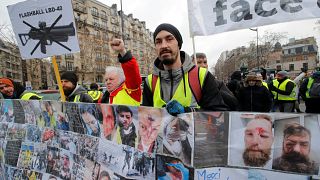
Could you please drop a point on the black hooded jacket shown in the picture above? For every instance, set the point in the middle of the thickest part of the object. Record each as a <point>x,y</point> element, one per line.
<point>211,98</point>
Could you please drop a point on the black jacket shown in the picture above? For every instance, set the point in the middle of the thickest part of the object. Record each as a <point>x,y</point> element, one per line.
<point>211,98</point>
<point>255,98</point>
<point>84,96</point>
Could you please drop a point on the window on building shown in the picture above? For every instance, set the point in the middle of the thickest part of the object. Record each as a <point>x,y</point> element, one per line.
<point>293,51</point>
<point>305,57</point>
<point>104,24</point>
<point>279,68</point>
<point>305,65</point>
<point>291,67</point>
<point>94,11</point>
<point>69,66</point>
<point>305,48</point>
<point>285,52</point>
<point>103,14</point>
<point>95,21</point>
<point>277,61</point>
<point>98,56</point>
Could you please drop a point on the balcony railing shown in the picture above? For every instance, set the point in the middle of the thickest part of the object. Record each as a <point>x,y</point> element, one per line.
<point>80,9</point>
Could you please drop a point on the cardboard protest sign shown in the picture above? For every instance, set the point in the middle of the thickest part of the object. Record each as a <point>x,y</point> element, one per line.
<point>208,17</point>
<point>44,28</point>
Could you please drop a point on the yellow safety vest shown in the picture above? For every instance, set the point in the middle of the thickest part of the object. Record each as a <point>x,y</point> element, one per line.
<point>310,82</point>
<point>265,84</point>
<point>28,95</point>
<point>124,98</point>
<point>282,87</point>
<point>95,94</point>
<point>179,95</point>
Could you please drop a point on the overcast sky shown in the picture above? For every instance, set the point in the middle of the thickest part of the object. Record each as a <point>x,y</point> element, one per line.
<point>155,12</point>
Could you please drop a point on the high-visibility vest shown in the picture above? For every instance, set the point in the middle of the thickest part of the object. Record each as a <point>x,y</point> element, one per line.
<point>282,87</point>
<point>187,101</point>
<point>265,84</point>
<point>95,94</point>
<point>28,95</point>
<point>310,82</point>
<point>124,98</point>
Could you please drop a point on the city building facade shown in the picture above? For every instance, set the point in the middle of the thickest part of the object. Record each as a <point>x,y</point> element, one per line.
<point>297,54</point>
<point>96,25</point>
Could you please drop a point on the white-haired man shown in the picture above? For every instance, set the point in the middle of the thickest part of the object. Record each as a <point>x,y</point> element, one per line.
<point>123,84</point>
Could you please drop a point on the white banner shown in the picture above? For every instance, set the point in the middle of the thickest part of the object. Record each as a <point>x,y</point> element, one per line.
<point>44,28</point>
<point>215,16</point>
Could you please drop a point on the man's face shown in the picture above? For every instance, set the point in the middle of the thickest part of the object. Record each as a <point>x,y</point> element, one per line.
<point>67,86</point>
<point>258,141</point>
<point>202,62</point>
<point>112,81</point>
<point>279,77</point>
<point>90,120</point>
<point>148,129</point>
<point>6,89</point>
<point>297,146</point>
<point>125,119</point>
<point>167,47</point>
<point>252,83</point>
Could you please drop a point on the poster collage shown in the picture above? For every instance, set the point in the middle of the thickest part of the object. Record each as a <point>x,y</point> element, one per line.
<point>55,140</point>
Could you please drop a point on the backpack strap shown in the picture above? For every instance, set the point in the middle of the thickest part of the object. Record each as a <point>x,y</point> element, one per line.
<point>194,82</point>
<point>153,83</point>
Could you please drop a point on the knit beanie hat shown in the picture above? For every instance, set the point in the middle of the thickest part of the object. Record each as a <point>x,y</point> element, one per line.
<point>6,81</point>
<point>70,76</point>
<point>171,29</point>
<point>283,73</point>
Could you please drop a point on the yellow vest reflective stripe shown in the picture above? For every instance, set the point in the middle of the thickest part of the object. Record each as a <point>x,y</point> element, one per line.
<point>179,95</point>
<point>95,94</point>
<point>28,95</point>
<point>265,84</point>
<point>125,99</point>
<point>282,87</point>
<point>77,98</point>
<point>310,82</point>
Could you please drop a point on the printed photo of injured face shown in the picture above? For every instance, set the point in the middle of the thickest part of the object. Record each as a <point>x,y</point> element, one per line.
<point>251,140</point>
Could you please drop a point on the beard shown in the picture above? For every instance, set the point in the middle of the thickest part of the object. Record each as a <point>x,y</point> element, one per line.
<point>167,60</point>
<point>256,158</point>
<point>296,162</point>
<point>67,91</point>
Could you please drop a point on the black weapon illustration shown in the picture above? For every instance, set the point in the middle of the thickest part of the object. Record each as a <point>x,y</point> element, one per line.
<point>47,35</point>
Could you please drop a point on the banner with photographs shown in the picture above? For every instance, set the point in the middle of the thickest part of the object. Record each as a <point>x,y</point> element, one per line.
<point>55,140</point>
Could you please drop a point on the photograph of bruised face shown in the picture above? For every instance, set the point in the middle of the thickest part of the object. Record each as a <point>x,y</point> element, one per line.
<point>258,140</point>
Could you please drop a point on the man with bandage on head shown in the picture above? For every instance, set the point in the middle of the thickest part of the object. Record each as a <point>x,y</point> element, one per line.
<point>169,84</point>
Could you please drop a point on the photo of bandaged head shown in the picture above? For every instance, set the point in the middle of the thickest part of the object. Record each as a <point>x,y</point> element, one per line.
<point>150,120</point>
<point>177,138</point>
<point>90,117</point>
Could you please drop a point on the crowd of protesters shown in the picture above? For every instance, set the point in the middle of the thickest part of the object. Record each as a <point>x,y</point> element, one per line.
<point>181,83</point>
